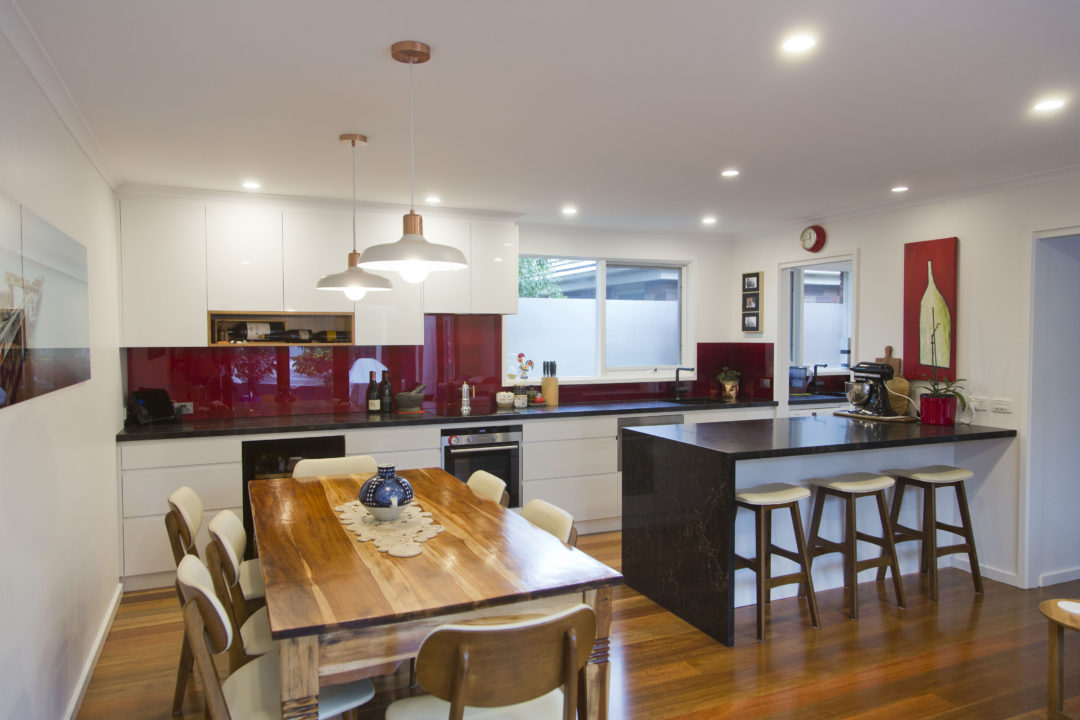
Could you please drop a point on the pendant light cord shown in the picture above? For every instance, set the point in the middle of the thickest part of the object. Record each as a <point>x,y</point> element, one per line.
<point>412,143</point>
<point>354,196</point>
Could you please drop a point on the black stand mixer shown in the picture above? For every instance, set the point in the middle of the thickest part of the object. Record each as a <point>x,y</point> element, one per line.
<point>867,391</point>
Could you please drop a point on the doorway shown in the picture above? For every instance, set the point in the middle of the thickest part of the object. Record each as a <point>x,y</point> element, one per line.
<point>1054,454</point>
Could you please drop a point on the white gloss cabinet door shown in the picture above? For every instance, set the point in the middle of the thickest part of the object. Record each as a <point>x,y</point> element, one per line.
<point>493,266</point>
<point>316,242</point>
<point>163,272</point>
<point>387,318</point>
<point>448,292</point>
<point>243,258</point>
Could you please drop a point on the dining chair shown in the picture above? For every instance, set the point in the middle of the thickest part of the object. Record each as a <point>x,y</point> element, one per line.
<point>532,669</point>
<point>182,524</point>
<point>253,690</point>
<point>489,486</point>
<point>552,518</point>
<point>347,465</point>
<point>243,575</point>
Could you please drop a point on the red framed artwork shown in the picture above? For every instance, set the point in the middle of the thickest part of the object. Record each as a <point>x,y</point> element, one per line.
<point>930,308</point>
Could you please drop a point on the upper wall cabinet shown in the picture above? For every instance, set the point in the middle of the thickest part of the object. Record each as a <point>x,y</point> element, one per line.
<point>316,243</point>
<point>243,258</point>
<point>163,272</point>
<point>489,284</point>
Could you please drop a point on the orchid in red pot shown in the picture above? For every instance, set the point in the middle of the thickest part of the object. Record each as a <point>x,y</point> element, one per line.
<point>937,406</point>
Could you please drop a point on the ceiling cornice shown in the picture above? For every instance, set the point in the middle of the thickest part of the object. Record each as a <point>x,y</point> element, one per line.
<point>25,43</point>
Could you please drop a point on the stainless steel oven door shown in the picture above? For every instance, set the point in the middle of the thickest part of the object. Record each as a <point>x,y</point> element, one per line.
<point>496,450</point>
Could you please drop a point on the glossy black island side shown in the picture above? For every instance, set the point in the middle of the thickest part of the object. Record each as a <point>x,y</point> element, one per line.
<point>678,493</point>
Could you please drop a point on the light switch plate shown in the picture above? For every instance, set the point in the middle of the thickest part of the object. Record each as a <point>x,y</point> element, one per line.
<point>1002,405</point>
<point>186,408</point>
<point>980,403</point>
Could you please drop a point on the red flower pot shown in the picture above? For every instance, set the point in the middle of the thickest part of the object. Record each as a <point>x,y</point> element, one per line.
<point>937,410</point>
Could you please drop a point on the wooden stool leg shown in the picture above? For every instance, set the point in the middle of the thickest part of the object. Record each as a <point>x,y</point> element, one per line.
<point>765,553</point>
<point>930,540</point>
<point>969,536</point>
<point>851,555</point>
<point>187,661</point>
<point>890,547</point>
<point>800,545</point>
<point>894,516</point>
<point>1055,671</point>
<point>815,523</point>
<point>760,514</point>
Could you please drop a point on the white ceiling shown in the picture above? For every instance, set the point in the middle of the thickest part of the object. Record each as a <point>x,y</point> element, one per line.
<point>628,109</point>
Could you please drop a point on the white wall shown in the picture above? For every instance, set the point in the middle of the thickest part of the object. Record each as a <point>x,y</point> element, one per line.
<point>1055,455</point>
<point>993,316</point>
<point>58,497</point>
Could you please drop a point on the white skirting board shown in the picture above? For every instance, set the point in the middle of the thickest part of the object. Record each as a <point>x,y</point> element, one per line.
<point>1059,576</point>
<point>91,662</point>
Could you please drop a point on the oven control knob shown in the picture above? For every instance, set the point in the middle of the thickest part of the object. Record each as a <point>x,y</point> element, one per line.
<point>454,440</point>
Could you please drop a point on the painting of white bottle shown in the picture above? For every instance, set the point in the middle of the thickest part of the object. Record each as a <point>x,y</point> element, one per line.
<point>934,317</point>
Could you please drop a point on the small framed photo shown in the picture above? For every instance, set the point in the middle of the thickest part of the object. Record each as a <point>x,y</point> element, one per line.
<point>750,322</point>
<point>751,282</point>
<point>750,302</point>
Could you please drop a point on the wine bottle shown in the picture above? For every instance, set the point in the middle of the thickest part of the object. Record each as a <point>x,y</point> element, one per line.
<point>374,403</point>
<point>934,311</point>
<point>384,391</point>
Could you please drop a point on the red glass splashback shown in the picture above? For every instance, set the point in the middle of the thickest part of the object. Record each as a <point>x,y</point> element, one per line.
<point>247,381</point>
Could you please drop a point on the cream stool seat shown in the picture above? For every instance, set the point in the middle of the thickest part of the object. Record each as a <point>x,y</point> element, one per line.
<point>929,479</point>
<point>857,482</point>
<point>762,500</point>
<point>772,494</point>
<point>848,488</point>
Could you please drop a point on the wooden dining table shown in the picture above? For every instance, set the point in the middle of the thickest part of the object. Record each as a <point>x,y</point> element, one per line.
<point>341,610</point>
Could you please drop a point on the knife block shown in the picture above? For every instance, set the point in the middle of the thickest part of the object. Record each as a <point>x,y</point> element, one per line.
<point>549,388</point>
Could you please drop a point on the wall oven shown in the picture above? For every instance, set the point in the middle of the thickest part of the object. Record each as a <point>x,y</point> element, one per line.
<point>496,449</point>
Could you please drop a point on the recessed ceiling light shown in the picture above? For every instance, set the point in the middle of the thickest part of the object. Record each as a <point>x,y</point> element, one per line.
<point>1049,104</point>
<point>708,220</point>
<point>433,199</point>
<point>569,210</point>
<point>799,42</point>
<point>900,188</point>
<point>252,184</point>
<point>730,172</point>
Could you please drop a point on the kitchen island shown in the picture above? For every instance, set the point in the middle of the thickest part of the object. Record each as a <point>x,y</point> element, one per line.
<point>679,527</point>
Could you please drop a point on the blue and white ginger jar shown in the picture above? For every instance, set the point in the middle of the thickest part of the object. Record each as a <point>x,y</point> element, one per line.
<point>386,494</point>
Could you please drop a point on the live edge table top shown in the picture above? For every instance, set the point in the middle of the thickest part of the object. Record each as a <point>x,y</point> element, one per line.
<point>319,577</point>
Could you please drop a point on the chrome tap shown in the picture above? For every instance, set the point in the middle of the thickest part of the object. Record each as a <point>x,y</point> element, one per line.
<point>813,380</point>
<point>678,387</point>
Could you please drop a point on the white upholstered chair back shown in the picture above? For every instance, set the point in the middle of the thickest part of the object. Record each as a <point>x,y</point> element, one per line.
<point>487,485</point>
<point>190,510</point>
<point>549,517</point>
<point>348,465</point>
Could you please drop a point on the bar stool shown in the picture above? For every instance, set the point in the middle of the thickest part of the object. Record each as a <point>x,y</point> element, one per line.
<point>849,488</point>
<point>929,479</point>
<point>762,500</point>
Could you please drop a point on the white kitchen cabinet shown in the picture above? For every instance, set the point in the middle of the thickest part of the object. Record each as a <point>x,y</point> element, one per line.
<point>489,284</point>
<point>315,242</point>
<point>387,318</point>
<point>493,264</point>
<point>448,292</point>
<point>243,258</point>
<point>163,272</point>
<point>814,410</point>
<point>588,498</point>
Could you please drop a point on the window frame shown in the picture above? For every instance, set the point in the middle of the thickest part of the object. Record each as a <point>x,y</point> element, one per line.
<point>642,373</point>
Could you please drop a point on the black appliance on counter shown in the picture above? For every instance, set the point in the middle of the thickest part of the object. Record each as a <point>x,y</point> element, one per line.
<point>496,449</point>
<point>265,459</point>
<point>150,405</point>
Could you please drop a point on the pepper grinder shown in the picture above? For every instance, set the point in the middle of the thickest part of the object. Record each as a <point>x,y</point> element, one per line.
<point>466,391</point>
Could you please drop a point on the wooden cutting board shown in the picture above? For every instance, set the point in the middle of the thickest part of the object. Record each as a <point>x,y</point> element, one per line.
<point>896,363</point>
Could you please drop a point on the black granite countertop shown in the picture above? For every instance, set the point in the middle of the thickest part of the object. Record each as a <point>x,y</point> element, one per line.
<point>430,415</point>
<point>755,439</point>
<point>816,399</point>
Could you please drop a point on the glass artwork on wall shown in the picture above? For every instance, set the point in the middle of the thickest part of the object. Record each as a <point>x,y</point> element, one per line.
<point>44,318</point>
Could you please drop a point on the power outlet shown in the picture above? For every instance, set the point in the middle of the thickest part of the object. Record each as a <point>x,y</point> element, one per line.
<point>186,408</point>
<point>1002,405</point>
<point>766,383</point>
<point>980,403</point>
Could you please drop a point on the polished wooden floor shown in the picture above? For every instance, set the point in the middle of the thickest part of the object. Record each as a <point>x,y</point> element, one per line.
<point>965,657</point>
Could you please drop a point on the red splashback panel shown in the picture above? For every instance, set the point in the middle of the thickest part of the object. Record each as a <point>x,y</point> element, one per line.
<point>247,381</point>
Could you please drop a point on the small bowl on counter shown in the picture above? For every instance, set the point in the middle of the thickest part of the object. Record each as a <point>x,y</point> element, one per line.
<point>504,399</point>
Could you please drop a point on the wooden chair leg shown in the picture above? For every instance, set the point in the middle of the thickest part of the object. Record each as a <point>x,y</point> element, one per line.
<point>187,662</point>
<point>1055,672</point>
<point>851,555</point>
<point>888,535</point>
<point>969,536</point>
<point>760,514</point>
<point>930,541</point>
<point>800,545</point>
<point>894,516</point>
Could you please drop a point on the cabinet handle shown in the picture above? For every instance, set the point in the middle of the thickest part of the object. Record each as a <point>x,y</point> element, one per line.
<point>489,448</point>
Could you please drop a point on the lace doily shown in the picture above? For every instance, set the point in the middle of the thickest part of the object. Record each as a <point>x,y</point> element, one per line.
<point>400,538</point>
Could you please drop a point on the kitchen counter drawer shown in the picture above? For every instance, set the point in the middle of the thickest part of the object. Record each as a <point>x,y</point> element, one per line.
<point>569,429</point>
<point>569,458</point>
<point>587,497</point>
<point>376,441</point>
<point>170,453</point>
<point>146,492</point>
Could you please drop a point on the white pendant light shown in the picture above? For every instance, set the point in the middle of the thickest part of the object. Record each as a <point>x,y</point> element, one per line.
<point>354,281</point>
<point>412,256</point>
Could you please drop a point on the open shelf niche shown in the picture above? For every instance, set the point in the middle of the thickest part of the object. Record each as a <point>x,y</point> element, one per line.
<point>234,328</point>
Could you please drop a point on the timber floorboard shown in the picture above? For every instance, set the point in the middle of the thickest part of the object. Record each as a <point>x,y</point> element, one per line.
<point>965,657</point>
